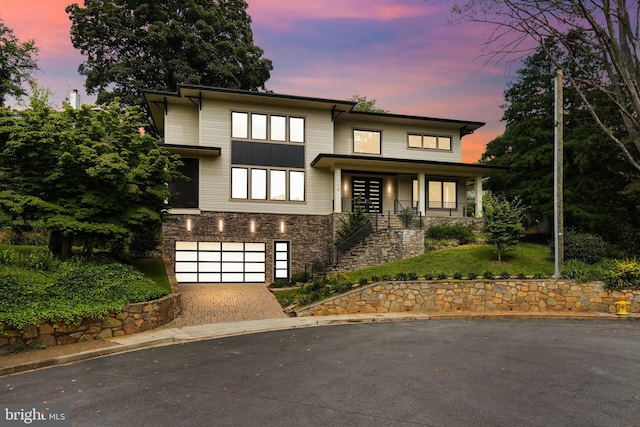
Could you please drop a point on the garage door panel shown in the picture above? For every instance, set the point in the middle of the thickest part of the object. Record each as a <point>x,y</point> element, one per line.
<point>209,246</point>
<point>209,256</point>
<point>209,277</point>
<point>255,277</point>
<point>229,267</point>
<point>232,256</point>
<point>254,247</point>
<point>186,267</point>
<point>232,246</point>
<point>187,277</point>
<point>209,267</point>
<point>186,256</point>
<point>233,277</point>
<point>254,257</point>
<point>186,246</point>
<point>254,268</point>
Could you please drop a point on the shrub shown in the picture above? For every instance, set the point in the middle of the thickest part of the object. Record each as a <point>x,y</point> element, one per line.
<point>583,272</point>
<point>588,248</point>
<point>442,276</point>
<point>624,275</point>
<point>401,276</point>
<point>457,275</point>
<point>459,233</point>
<point>504,275</point>
<point>386,276</point>
<point>521,276</point>
<point>412,276</point>
<point>375,278</point>
<point>538,276</point>
<point>279,284</point>
<point>488,275</point>
<point>428,276</point>
<point>300,277</point>
<point>472,276</point>
<point>363,281</point>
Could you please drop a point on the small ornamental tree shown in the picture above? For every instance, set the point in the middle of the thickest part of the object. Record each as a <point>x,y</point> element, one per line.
<point>85,176</point>
<point>502,222</point>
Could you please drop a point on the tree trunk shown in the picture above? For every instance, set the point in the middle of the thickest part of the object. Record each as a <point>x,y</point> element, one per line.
<point>59,244</point>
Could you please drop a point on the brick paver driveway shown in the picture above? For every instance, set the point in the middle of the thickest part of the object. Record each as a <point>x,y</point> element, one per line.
<point>217,303</point>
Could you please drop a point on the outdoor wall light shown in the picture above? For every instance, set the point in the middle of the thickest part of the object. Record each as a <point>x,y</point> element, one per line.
<point>220,225</point>
<point>253,226</point>
<point>189,225</point>
<point>281,226</point>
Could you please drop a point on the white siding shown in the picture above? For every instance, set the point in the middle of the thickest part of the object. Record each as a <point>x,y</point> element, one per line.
<point>181,125</point>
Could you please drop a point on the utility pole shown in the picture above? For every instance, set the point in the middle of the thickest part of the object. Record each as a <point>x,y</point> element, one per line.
<point>558,209</point>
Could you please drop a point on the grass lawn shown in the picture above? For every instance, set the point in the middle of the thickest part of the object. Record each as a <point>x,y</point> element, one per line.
<point>153,268</point>
<point>527,258</point>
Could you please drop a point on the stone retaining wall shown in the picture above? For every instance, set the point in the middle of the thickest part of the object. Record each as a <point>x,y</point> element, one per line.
<point>474,295</point>
<point>134,318</point>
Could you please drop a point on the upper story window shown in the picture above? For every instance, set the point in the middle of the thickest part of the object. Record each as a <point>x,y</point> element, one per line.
<point>267,127</point>
<point>367,141</point>
<point>429,142</point>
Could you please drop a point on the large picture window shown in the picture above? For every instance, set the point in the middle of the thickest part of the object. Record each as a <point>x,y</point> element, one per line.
<point>267,127</point>
<point>267,184</point>
<point>429,142</point>
<point>367,142</point>
<point>442,195</point>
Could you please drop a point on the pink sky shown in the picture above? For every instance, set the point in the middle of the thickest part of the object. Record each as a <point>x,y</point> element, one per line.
<point>400,52</point>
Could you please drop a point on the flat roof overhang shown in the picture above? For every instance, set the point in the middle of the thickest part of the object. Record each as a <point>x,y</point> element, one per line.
<point>403,166</point>
<point>192,150</point>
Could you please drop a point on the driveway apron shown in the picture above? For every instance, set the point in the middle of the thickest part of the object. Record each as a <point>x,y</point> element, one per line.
<point>218,303</point>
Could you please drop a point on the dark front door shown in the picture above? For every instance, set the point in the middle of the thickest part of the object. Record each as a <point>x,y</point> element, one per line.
<point>367,192</point>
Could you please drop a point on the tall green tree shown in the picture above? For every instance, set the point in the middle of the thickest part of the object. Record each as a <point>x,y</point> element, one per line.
<point>85,176</point>
<point>133,45</point>
<point>605,30</point>
<point>17,63</point>
<point>596,173</point>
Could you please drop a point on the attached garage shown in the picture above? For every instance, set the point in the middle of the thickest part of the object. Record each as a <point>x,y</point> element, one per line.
<point>220,262</point>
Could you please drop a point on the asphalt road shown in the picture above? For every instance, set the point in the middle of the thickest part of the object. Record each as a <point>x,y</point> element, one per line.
<point>422,373</point>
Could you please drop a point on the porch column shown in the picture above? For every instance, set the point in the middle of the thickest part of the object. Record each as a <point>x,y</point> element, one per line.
<point>478,197</point>
<point>337,190</point>
<point>422,194</point>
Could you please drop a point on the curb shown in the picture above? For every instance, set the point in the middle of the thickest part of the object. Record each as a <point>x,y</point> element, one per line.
<point>168,336</point>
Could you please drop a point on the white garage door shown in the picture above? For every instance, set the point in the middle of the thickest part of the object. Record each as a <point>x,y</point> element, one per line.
<point>220,262</point>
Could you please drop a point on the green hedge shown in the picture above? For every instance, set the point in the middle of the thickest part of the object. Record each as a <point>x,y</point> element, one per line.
<point>70,292</point>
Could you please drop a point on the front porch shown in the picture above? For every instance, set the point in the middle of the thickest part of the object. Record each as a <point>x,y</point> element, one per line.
<point>393,185</point>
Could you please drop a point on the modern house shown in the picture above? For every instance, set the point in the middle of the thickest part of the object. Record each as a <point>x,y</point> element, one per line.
<point>270,174</point>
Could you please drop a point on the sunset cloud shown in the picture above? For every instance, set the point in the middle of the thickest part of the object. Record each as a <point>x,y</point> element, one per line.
<point>401,52</point>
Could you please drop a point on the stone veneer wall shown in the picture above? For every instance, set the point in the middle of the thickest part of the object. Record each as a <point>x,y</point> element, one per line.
<point>383,246</point>
<point>310,235</point>
<point>474,295</point>
<point>134,318</point>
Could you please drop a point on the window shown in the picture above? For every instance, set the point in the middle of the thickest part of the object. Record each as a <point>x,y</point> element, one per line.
<point>239,125</point>
<point>259,126</point>
<point>259,184</point>
<point>296,129</point>
<point>278,128</point>
<point>239,183</point>
<point>367,142</point>
<point>278,185</point>
<point>429,142</point>
<point>185,192</point>
<point>267,184</point>
<point>296,186</point>
<point>266,127</point>
<point>442,195</point>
